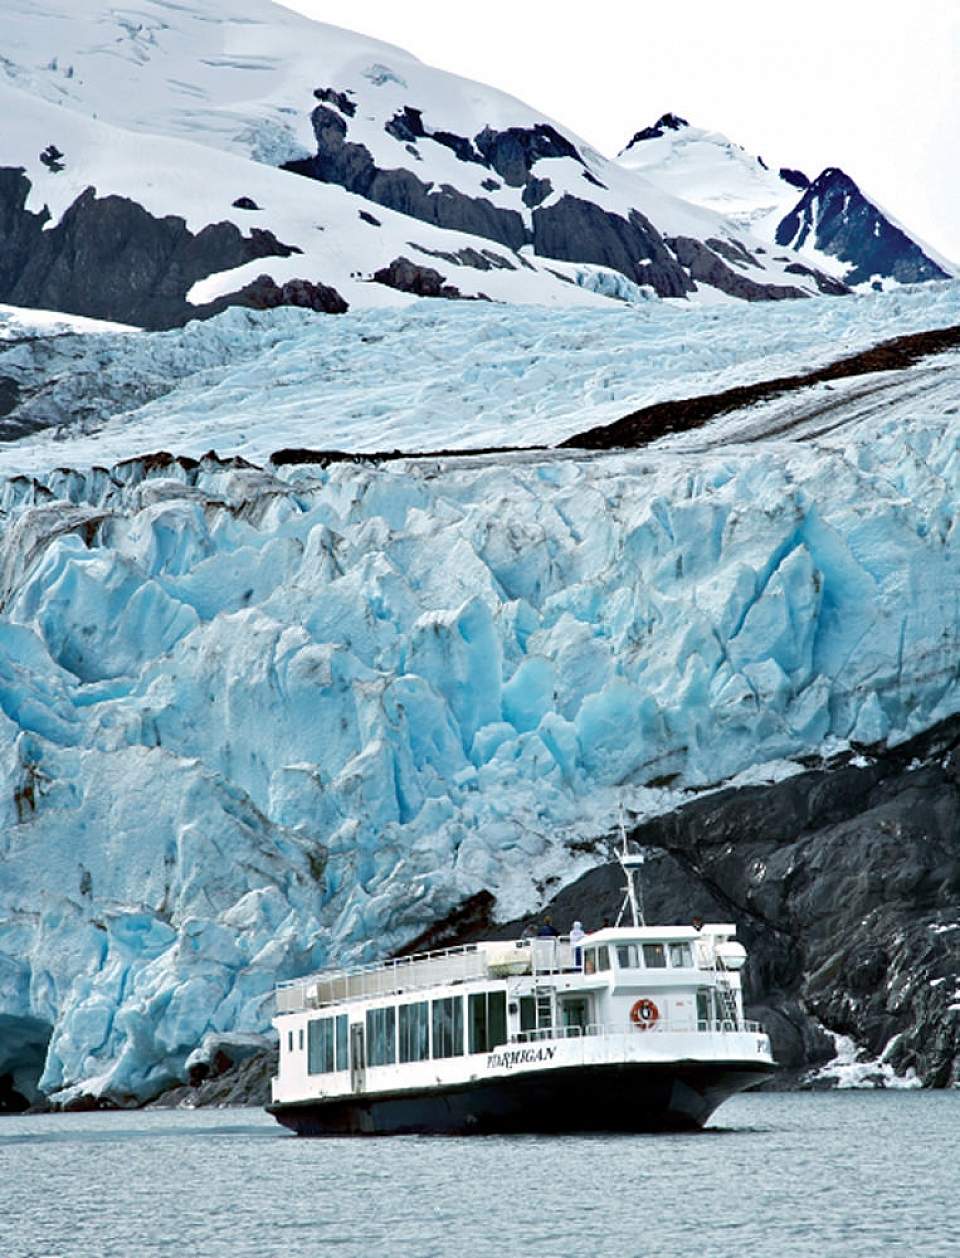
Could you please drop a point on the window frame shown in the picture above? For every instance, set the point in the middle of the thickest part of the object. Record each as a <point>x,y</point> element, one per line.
<point>449,1033</point>
<point>413,1032</point>
<point>381,1035</point>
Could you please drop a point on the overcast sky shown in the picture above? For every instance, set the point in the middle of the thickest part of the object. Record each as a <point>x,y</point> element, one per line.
<point>868,85</point>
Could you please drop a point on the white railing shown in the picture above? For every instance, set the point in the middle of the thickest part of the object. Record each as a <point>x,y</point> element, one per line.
<point>425,969</point>
<point>382,978</point>
<point>608,1030</point>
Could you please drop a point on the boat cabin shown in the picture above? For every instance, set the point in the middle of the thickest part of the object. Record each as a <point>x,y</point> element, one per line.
<point>436,1015</point>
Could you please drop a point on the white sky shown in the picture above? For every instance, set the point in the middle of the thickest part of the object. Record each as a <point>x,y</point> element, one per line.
<point>868,85</point>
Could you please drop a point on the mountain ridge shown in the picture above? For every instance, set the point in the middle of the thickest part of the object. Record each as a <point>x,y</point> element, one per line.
<point>206,112</point>
<point>833,225</point>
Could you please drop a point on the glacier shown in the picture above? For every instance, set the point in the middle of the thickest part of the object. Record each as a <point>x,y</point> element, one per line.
<point>255,718</point>
<point>432,376</point>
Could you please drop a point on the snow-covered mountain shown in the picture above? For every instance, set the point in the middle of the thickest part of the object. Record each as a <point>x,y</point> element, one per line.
<point>828,222</point>
<point>162,151</point>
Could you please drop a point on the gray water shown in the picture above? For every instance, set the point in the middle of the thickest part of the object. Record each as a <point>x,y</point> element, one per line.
<point>802,1175</point>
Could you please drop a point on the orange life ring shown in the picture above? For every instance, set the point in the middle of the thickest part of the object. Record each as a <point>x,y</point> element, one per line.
<point>644,1014</point>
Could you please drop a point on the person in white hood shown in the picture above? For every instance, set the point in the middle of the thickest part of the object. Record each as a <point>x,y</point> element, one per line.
<point>575,936</point>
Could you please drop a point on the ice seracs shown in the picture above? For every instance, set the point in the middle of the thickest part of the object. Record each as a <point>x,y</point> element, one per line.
<point>255,718</point>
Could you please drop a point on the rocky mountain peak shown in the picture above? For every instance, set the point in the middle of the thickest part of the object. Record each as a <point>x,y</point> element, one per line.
<point>666,122</point>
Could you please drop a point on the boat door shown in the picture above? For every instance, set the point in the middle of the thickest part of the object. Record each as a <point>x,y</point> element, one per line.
<point>358,1058</point>
<point>575,1012</point>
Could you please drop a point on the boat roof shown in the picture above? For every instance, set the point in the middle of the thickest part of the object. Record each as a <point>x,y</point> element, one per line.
<point>475,961</point>
<point>659,934</point>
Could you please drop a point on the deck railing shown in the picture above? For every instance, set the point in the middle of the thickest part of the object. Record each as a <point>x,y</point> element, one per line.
<point>607,1030</point>
<point>424,969</point>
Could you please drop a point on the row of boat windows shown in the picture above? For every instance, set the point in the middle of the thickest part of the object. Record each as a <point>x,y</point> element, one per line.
<point>648,956</point>
<point>411,1032</point>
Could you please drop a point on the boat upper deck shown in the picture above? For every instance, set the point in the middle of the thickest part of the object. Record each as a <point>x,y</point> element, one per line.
<point>479,961</point>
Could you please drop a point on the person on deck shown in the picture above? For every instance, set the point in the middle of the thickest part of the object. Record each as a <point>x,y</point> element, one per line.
<point>576,934</point>
<point>547,929</point>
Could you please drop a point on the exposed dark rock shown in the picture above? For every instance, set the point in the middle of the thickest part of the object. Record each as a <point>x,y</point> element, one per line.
<point>684,414</point>
<point>826,283</point>
<point>109,258</point>
<point>835,216</point>
<point>473,916</point>
<point>460,145</point>
<point>513,152</point>
<point>299,455</point>
<point>844,883</point>
<point>263,293</point>
<point>593,179</point>
<point>535,191</point>
<point>87,1104</point>
<point>733,251</point>
<point>496,260</point>
<point>668,122</point>
<point>410,277</point>
<point>573,229</point>
<point>244,1083</point>
<point>50,157</point>
<point>352,167</point>
<point>245,203</point>
<point>340,99</point>
<point>407,125</point>
<point>707,268</point>
<point>796,178</point>
<point>368,218</point>
<point>9,395</point>
<point>580,231</point>
<point>482,260</point>
<point>559,275</point>
<point>491,185</point>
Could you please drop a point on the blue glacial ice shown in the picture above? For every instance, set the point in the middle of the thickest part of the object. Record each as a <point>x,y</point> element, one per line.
<point>252,721</point>
<point>432,376</point>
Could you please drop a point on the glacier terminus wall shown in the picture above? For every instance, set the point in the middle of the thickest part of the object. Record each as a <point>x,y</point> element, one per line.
<point>257,719</point>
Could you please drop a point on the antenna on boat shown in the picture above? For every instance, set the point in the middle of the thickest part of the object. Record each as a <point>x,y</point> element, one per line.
<point>632,864</point>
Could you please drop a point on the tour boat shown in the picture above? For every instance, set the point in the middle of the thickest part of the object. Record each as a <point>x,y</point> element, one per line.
<point>631,1028</point>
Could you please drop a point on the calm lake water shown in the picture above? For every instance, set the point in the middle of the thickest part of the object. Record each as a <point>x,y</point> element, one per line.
<point>803,1175</point>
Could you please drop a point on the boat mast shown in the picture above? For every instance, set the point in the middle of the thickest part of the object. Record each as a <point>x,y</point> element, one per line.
<point>632,864</point>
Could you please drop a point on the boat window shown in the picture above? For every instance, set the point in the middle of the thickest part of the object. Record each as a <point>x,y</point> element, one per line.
<point>300,1043</point>
<point>487,1020</point>
<point>415,1031</point>
<point>627,957</point>
<point>704,1012</point>
<point>528,1013</point>
<point>381,1036</point>
<point>654,956</point>
<point>320,1046</point>
<point>289,1041</point>
<point>681,956</point>
<point>343,1058</point>
<point>589,960</point>
<point>603,957</point>
<point>448,1027</point>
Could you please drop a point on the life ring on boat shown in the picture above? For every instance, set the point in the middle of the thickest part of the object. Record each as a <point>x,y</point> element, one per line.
<point>644,1014</point>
